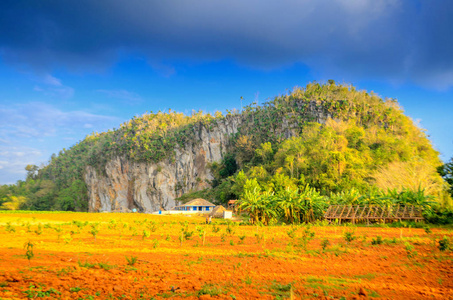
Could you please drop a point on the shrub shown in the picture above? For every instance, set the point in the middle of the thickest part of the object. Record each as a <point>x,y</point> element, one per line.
<point>444,244</point>
<point>349,236</point>
<point>377,241</point>
<point>131,260</point>
<point>325,243</point>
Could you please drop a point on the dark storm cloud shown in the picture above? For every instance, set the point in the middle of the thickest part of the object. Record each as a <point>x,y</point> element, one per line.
<point>396,40</point>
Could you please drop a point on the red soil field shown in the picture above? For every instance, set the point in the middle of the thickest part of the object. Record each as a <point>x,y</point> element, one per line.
<point>138,256</point>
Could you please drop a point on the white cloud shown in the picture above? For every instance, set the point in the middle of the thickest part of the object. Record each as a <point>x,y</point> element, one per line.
<point>36,119</point>
<point>14,159</point>
<point>129,97</point>
<point>50,80</point>
<point>30,132</point>
<point>53,87</point>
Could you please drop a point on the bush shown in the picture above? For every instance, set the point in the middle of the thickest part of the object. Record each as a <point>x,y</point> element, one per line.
<point>444,244</point>
<point>377,241</point>
<point>439,215</point>
<point>349,236</point>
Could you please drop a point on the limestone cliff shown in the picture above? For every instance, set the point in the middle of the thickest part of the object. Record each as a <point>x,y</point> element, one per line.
<point>154,186</point>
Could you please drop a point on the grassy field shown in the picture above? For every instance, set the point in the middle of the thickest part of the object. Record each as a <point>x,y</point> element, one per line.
<point>138,256</point>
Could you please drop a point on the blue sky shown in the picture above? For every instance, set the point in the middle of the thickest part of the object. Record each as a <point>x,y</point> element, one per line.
<point>68,68</point>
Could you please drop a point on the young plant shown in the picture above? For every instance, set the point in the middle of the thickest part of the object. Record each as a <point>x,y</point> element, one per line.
<point>377,241</point>
<point>307,236</point>
<point>94,229</point>
<point>409,250</point>
<point>131,260</point>
<point>112,224</point>
<point>444,244</point>
<point>38,231</point>
<point>241,239</point>
<point>201,233</point>
<point>9,227</point>
<point>215,228</point>
<point>152,226</point>
<point>324,244</point>
<point>292,232</point>
<point>58,229</point>
<point>86,264</point>
<point>146,234</point>
<point>28,225</point>
<point>28,246</point>
<point>105,266</point>
<point>222,237</point>
<point>349,236</point>
<point>185,234</point>
<point>230,229</point>
<point>79,224</point>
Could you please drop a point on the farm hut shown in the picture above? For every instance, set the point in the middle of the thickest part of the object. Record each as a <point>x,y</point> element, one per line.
<point>196,205</point>
<point>232,204</point>
<point>217,212</point>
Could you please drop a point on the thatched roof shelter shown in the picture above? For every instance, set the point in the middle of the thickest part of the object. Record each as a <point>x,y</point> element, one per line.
<point>217,212</point>
<point>198,202</point>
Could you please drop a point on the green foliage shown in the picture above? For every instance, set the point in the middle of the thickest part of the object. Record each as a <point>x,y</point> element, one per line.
<point>86,264</point>
<point>439,215</point>
<point>9,227</point>
<point>211,289</point>
<point>377,241</point>
<point>445,244</point>
<point>409,250</point>
<point>307,235</point>
<point>349,236</point>
<point>446,171</point>
<point>325,243</point>
<point>28,246</point>
<point>132,260</point>
<point>34,292</point>
<point>94,229</point>
<point>105,266</point>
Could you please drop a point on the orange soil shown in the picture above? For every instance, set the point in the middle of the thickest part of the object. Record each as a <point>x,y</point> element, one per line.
<point>265,265</point>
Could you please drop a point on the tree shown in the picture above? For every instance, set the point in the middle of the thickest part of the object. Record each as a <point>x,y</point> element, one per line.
<point>245,150</point>
<point>14,203</point>
<point>73,198</point>
<point>32,171</point>
<point>446,171</point>
<point>416,174</point>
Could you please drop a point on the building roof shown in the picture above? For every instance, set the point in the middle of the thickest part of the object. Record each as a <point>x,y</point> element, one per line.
<point>217,212</point>
<point>198,202</point>
<point>232,202</point>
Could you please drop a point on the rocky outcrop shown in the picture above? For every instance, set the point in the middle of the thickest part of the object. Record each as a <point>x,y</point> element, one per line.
<point>149,187</point>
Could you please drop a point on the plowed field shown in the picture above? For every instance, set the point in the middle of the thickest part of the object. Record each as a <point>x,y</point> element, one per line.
<point>137,256</point>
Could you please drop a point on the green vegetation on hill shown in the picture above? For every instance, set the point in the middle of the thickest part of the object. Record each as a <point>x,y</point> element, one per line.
<point>326,140</point>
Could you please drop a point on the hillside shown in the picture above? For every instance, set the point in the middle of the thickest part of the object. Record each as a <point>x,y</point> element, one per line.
<point>330,137</point>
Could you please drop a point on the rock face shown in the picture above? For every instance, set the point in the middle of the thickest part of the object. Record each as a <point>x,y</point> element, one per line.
<point>147,187</point>
<point>154,186</point>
